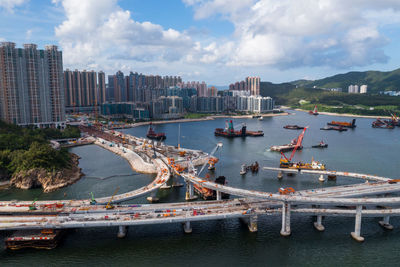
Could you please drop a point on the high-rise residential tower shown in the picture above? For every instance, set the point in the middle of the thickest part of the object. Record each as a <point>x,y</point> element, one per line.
<point>31,85</point>
<point>253,85</point>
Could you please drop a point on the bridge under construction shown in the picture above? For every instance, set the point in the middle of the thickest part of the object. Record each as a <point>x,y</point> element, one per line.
<point>374,197</point>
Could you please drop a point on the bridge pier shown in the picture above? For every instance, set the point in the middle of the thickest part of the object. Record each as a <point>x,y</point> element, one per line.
<point>218,195</point>
<point>187,227</point>
<point>122,231</point>
<point>285,231</point>
<point>318,224</point>
<point>189,191</point>
<point>385,223</point>
<point>357,231</point>
<point>252,224</point>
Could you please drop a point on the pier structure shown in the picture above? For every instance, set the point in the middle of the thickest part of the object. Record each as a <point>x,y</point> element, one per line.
<point>348,200</point>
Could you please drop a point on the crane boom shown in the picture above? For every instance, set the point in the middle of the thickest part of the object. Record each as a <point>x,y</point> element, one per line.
<point>211,154</point>
<point>299,141</point>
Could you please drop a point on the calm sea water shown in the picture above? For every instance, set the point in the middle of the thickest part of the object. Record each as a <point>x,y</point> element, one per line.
<point>228,242</point>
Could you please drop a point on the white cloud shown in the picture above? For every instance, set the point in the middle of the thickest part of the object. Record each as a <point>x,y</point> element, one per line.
<point>9,5</point>
<point>296,33</point>
<point>28,34</point>
<point>100,33</point>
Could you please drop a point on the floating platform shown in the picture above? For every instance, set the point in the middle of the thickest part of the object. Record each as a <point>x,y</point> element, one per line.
<point>39,239</point>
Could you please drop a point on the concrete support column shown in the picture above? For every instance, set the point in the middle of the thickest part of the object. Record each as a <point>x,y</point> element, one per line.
<point>385,223</point>
<point>318,224</point>
<point>218,195</point>
<point>187,227</point>
<point>122,231</point>
<point>285,231</point>
<point>357,231</point>
<point>189,190</point>
<point>252,223</point>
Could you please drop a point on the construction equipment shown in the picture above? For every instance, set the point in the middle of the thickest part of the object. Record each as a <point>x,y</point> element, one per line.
<point>298,144</point>
<point>33,206</point>
<point>110,206</point>
<point>219,144</point>
<point>92,200</point>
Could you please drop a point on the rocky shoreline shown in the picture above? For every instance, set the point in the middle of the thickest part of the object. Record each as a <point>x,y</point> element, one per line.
<point>48,180</point>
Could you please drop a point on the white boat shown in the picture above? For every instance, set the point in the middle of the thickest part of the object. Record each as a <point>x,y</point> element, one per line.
<point>243,169</point>
<point>261,118</point>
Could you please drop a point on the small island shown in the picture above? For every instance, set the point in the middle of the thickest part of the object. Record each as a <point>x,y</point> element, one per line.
<point>27,159</point>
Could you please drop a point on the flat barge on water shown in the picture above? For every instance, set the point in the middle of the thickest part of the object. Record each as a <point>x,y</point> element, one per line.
<point>230,132</point>
<point>40,239</point>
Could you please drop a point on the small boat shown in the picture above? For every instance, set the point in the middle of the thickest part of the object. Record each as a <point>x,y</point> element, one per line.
<point>261,118</point>
<point>243,169</point>
<point>321,144</point>
<point>293,127</point>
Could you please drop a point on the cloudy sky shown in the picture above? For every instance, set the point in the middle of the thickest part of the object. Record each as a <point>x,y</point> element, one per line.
<point>217,41</point>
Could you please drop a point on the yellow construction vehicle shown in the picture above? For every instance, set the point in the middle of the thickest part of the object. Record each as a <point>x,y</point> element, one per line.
<point>110,206</point>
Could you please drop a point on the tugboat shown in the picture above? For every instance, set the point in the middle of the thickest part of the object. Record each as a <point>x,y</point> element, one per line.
<point>293,127</point>
<point>314,112</point>
<point>321,144</point>
<point>151,134</point>
<point>230,132</point>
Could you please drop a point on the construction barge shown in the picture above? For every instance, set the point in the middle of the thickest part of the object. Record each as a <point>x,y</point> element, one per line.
<point>230,132</point>
<point>351,124</point>
<point>293,127</point>
<point>39,239</point>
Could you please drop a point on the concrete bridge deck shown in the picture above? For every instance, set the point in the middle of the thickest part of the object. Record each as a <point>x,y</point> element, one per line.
<point>78,213</point>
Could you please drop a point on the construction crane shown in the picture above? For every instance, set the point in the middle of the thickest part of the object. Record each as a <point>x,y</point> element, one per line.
<point>109,206</point>
<point>298,143</point>
<point>219,145</point>
<point>92,200</point>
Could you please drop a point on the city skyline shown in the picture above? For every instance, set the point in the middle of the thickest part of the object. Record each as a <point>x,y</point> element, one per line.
<point>214,41</point>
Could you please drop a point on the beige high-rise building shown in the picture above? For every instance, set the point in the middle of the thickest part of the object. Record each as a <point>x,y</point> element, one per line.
<point>253,85</point>
<point>31,85</point>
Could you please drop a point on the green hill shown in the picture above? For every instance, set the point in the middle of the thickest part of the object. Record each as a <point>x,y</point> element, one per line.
<point>376,81</point>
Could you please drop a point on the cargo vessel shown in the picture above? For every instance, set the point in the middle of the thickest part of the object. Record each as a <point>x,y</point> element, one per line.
<point>151,134</point>
<point>351,124</point>
<point>293,127</point>
<point>230,132</point>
